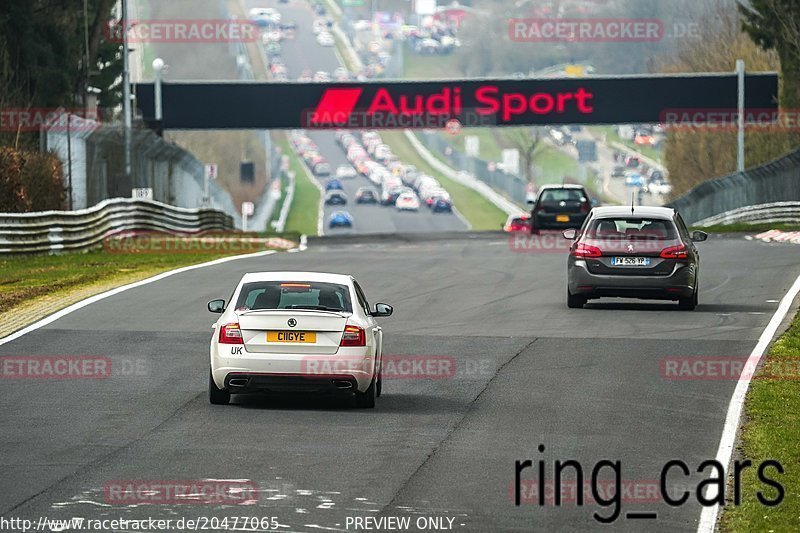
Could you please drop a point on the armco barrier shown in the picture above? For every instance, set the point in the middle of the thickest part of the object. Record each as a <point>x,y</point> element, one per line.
<point>774,213</point>
<point>86,228</point>
<point>777,181</point>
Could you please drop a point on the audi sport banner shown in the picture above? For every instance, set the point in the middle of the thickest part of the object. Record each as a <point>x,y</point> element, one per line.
<point>432,104</point>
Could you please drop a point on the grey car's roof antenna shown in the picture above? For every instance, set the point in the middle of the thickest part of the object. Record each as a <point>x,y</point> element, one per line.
<point>633,196</point>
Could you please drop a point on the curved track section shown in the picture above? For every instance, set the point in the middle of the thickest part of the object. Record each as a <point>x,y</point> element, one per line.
<point>527,371</point>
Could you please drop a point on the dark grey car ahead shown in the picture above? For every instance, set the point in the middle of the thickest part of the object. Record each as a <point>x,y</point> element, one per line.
<point>640,252</point>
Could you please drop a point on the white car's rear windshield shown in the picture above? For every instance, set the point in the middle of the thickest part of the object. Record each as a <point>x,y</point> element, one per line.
<point>294,295</point>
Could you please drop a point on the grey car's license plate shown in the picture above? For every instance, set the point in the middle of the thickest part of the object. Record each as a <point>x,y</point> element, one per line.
<point>630,261</point>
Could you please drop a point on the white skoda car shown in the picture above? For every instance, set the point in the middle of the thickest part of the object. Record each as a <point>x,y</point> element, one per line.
<point>296,331</point>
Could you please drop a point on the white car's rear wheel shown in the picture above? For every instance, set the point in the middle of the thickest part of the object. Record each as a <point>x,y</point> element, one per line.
<point>216,395</point>
<point>366,399</point>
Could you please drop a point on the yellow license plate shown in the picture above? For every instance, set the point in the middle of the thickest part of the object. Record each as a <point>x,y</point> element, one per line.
<point>562,218</point>
<point>291,336</point>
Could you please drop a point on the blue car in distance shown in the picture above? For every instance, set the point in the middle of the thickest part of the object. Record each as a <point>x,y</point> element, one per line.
<point>634,179</point>
<point>333,184</point>
<point>340,219</point>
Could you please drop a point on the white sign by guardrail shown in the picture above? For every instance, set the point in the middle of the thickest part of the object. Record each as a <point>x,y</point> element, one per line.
<point>142,194</point>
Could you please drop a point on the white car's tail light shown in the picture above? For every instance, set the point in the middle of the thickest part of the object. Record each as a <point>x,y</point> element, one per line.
<point>353,336</point>
<point>230,334</point>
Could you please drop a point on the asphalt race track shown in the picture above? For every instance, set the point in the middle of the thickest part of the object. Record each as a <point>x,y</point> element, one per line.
<point>375,218</point>
<point>303,53</point>
<point>585,383</point>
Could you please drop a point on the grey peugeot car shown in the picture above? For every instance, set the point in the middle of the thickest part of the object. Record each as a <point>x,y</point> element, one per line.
<point>633,252</point>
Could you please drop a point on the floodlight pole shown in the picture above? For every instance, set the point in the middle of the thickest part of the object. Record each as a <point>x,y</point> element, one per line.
<point>126,89</point>
<point>740,117</point>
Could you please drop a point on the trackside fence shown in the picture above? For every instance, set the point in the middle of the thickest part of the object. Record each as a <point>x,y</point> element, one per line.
<point>52,231</point>
<point>761,194</point>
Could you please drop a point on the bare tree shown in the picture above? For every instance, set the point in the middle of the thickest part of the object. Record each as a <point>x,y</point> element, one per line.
<point>775,25</point>
<point>694,155</point>
<point>528,141</point>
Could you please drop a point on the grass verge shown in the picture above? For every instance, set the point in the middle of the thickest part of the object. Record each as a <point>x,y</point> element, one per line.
<point>771,431</point>
<point>426,67</point>
<point>480,212</point>
<point>551,164</point>
<point>304,212</point>
<point>34,286</point>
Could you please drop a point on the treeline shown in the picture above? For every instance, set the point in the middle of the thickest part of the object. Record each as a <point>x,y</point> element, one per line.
<point>30,181</point>
<point>489,49</point>
<point>51,53</point>
<point>765,34</point>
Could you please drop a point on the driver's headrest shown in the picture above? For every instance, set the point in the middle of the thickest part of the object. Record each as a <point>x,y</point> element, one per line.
<point>329,298</point>
<point>269,299</point>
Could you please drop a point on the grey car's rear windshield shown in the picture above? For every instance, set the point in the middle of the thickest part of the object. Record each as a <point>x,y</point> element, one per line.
<point>632,228</point>
<point>294,295</point>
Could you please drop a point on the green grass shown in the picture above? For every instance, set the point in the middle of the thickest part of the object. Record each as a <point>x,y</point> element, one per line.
<point>481,214</point>
<point>741,227</point>
<point>771,431</point>
<point>28,277</point>
<point>349,63</point>
<point>488,147</point>
<point>304,212</point>
<point>551,163</point>
<point>429,67</point>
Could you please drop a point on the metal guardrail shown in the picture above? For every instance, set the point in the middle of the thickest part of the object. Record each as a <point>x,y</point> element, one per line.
<point>86,228</point>
<point>774,182</point>
<point>777,212</point>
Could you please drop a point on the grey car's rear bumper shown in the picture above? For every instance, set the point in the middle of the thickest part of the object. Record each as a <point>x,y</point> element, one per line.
<point>680,284</point>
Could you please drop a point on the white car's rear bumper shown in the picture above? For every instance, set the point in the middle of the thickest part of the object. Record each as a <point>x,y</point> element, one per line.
<point>269,371</point>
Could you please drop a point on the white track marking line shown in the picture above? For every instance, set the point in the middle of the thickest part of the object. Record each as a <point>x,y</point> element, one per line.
<point>708,517</point>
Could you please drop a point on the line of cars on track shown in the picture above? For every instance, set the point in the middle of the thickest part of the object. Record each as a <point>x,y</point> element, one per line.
<point>640,176</point>
<point>308,150</point>
<point>396,184</point>
<point>322,28</point>
<point>401,185</point>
